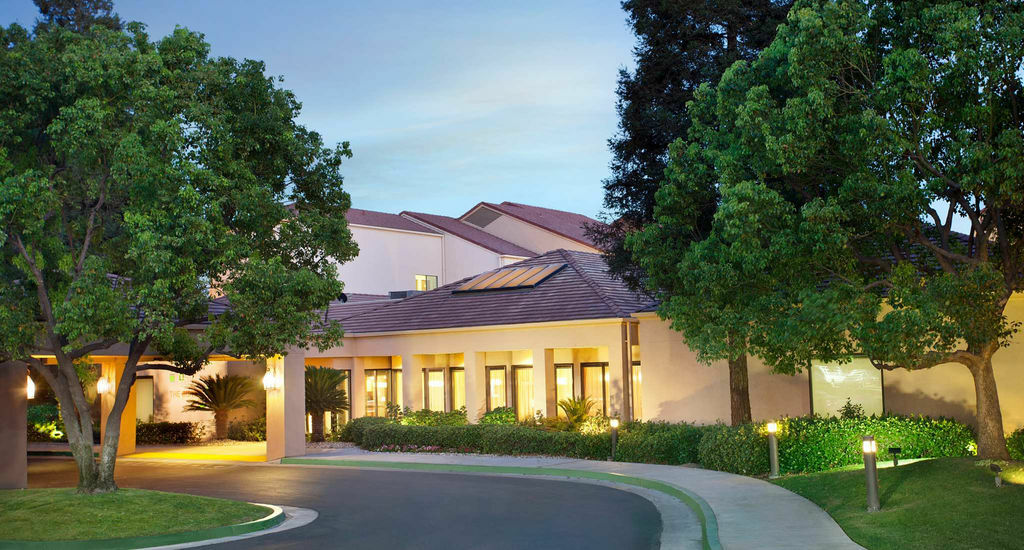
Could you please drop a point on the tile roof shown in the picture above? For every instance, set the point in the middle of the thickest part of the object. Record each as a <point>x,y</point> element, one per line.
<point>583,290</point>
<point>472,234</point>
<point>383,219</point>
<point>567,224</point>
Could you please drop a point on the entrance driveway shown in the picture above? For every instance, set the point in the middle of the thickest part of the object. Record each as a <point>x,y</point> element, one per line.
<point>411,510</point>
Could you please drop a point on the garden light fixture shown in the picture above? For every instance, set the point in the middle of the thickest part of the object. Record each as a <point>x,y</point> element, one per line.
<point>773,450</point>
<point>30,388</point>
<point>614,424</point>
<point>870,448</point>
<point>103,386</point>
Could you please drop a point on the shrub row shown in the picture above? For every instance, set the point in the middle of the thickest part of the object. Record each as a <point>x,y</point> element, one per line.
<point>248,430</point>
<point>1015,443</point>
<point>487,438</point>
<point>169,433</point>
<point>427,417</point>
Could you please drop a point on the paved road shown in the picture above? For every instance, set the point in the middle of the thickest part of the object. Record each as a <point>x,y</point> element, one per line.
<point>385,510</point>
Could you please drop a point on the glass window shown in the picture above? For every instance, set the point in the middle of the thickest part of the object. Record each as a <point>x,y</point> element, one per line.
<point>383,386</point>
<point>595,384</point>
<point>496,388</point>
<point>832,384</point>
<point>523,392</point>
<point>563,384</point>
<point>433,390</point>
<point>458,392</point>
<point>638,379</point>
<point>426,282</point>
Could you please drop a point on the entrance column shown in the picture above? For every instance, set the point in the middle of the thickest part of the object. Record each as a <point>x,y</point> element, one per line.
<point>476,385</point>
<point>286,406</point>
<point>112,370</point>
<point>13,422</point>
<point>544,381</point>
<point>412,381</point>
<point>357,401</point>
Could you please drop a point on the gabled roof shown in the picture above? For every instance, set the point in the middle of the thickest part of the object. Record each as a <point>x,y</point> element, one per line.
<point>582,290</point>
<point>373,218</point>
<point>470,233</point>
<point>567,224</point>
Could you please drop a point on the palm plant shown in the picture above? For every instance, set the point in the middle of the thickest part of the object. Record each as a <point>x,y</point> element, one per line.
<point>576,409</point>
<point>220,395</point>
<point>325,392</point>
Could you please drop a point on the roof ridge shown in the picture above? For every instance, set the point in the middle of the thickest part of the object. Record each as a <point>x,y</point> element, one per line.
<point>571,260</point>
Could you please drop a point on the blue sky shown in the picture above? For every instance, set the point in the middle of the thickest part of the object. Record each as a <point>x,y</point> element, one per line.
<point>445,103</point>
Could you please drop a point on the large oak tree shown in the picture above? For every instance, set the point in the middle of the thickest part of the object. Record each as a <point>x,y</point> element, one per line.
<point>844,155</point>
<point>136,175</point>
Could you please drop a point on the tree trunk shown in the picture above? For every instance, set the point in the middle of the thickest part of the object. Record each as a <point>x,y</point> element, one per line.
<point>991,440</point>
<point>318,427</point>
<point>739,390</point>
<point>220,420</point>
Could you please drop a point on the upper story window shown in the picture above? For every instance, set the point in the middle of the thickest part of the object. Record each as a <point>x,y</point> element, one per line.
<point>426,282</point>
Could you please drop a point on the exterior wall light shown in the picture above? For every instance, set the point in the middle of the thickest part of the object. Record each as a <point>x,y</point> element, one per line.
<point>614,424</point>
<point>271,382</point>
<point>103,385</point>
<point>30,388</point>
<point>773,450</point>
<point>870,448</point>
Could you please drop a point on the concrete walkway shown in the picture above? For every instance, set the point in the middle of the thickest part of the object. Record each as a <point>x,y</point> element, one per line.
<point>751,513</point>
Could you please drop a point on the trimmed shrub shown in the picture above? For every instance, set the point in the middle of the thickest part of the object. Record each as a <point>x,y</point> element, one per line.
<point>169,433</point>
<point>483,438</point>
<point>248,430</point>
<point>501,415</point>
<point>426,417</point>
<point>354,429</point>
<point>659,442</point>
<point>593,425</point>
<point>736,449</point>
<point>1015,443</point>
<point>462,439</point>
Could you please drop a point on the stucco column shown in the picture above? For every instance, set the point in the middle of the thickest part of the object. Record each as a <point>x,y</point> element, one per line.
<point>112,371</point>
<point>357,401</point>
<point>13,406</point>
<point>544,381</point>
<point>618,373</point>
<point>476,385</point>
<point>286,407</point>
<point>412,381</point>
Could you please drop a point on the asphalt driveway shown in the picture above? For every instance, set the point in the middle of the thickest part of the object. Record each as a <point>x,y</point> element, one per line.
<point>383,510</point>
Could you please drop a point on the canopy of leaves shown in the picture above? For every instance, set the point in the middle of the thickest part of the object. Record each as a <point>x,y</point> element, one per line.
<point>842,157</point>
<point>325,390</point>
<point>220,393</point>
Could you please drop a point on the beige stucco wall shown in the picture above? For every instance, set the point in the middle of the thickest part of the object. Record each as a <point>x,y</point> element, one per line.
<point>532,237</point>
<point>464,259</point>
<point>678,388</point>
<point>390,259</point>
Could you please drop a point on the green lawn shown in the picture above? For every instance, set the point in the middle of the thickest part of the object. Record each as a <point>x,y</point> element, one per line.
<point>944,503</point>
<point>61,514</point>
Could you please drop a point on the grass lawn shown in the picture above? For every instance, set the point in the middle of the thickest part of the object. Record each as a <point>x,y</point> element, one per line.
<point>943,503</point>
<point>61,514</point>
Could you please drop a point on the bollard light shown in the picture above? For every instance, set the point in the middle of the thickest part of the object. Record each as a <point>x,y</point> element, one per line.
<point>614,424</point>
<point>30,389</point>
<point>102,386</point>
<point>773,450</point>
<point>870,448</point>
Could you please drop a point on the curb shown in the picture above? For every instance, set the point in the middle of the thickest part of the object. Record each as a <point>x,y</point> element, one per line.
<point>275,518</point>
<point>700,507</point>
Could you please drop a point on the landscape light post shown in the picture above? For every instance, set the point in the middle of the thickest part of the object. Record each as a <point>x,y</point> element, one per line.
<point>870,448</point>
<point>614,424</point>
<point>773,450</point>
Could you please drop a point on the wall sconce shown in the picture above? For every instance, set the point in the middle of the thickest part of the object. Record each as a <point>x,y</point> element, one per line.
<point>30,388</point>
<point>773,450</point>
<point>103,385</point>
<point>271,381</point>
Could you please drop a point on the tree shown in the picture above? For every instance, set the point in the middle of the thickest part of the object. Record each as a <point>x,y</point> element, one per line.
<point>78,15</point>
<point>680,45</point>
<point>135,173</point>
<point>845,154</point>
<point>220,395</point>
<point>325,392</point>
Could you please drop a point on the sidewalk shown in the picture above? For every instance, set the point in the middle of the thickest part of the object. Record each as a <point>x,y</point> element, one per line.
<point>750,513</point>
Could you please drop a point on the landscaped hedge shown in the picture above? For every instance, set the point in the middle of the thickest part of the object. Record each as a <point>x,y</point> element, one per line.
<point>353,429</point>
<point>1015,443</point>
<point>427,417</point>
<point>169,433</point>
<point>248,430</point>
<point>489,439</point>
<point>738,449</point>
<point>659,442</point>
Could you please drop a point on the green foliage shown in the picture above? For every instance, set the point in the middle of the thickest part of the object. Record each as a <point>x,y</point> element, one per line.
<point>325,390</point>
<point>1015,443</point>
<point>45,423</point>
<point>576,409</point>
<point>659,442</point>
<point>851,410</point>
<point>739,449</point>
<point>489,439</point>
<point>169,433</point>
<point>594,425</point>
<point>220,393</point>
<point>354,429</point>
<point>499,415</point>
<point>426,417</point>
<point>248,430</point>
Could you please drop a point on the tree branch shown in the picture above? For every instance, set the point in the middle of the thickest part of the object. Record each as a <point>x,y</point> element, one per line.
<point>931,359</point>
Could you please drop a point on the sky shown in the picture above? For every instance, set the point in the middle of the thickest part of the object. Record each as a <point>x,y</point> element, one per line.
<point>445,104</point>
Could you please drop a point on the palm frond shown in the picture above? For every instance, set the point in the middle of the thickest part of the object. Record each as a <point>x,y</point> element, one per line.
<point>325,390</point>
<point>220,393</point>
